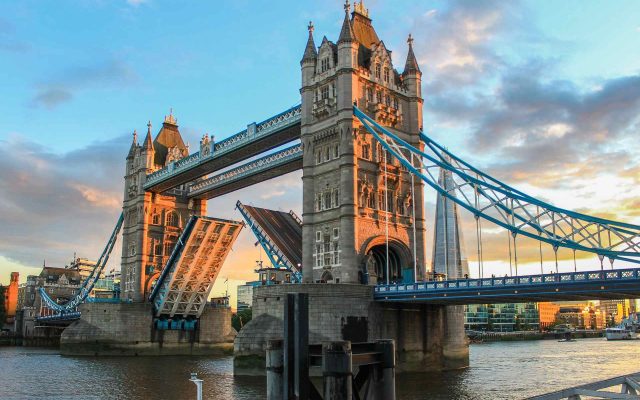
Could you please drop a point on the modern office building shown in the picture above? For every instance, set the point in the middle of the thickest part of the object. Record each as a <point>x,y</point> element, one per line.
<point>507,317</point>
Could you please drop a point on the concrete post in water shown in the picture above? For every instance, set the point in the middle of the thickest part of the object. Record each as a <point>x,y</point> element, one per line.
<point>337,370</point>
<point>274,364</point>
<point>388,352</point>
<point>198,382</point>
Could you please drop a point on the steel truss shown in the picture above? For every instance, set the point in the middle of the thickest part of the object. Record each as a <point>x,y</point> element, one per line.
<point>488,198</point>
<point>186,281</point>
<point>89,283</point>
<point>275,254</point>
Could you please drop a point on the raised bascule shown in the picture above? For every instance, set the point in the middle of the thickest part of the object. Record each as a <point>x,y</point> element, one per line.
<point>359,249</point>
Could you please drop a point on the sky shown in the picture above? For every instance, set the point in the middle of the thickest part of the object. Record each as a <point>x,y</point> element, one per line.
<point>543,95</point>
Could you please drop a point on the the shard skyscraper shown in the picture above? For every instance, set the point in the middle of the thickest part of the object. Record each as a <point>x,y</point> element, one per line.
<point>449,256</point>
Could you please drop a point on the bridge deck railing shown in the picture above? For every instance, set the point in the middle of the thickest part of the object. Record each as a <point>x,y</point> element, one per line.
<point>252,133</point>
<point>267,162</point>
<point>519,281</point>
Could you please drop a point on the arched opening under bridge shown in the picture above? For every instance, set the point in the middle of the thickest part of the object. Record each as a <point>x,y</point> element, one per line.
<point>375,260</point>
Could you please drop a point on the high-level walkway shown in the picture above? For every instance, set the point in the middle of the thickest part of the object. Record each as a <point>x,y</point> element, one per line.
<point>256,139</point>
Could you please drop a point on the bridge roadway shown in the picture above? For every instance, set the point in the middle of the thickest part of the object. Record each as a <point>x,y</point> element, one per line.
<point>587,285</point>
<point>256,139</point>
<point>283,229</point>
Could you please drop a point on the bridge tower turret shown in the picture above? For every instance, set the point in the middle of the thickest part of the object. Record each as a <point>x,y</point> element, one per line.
<point>353,200</point>
<point>153,222</point>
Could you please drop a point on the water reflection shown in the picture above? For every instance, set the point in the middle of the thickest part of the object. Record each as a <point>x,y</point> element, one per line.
<point>510,370</point>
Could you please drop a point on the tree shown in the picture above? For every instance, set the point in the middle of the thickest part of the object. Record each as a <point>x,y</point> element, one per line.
<point>240,319</point>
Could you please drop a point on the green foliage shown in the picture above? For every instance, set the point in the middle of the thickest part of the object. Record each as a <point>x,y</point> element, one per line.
<point>240,319</point>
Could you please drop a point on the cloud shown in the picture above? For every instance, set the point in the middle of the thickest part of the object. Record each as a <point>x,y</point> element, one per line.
<point>507,109</point>
<point>62,88</point>
<point>8,40</point>
<point>55,204</point>
<point>51,97</point>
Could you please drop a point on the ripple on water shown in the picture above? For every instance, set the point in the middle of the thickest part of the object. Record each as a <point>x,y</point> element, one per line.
<point>507,370</point>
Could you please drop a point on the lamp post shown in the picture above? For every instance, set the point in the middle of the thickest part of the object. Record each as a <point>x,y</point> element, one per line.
<point>198,382</point>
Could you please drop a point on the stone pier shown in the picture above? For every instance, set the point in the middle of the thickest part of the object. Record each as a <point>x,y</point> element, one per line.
<point>428,338</point>
<point>126,329</point>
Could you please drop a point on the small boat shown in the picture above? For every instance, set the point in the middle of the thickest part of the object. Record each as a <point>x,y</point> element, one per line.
<point>618,333</point>
<point>567,340</point>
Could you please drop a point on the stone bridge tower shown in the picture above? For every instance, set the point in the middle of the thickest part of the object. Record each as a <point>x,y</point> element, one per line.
<point>152,222</point>
<point>355,196</point>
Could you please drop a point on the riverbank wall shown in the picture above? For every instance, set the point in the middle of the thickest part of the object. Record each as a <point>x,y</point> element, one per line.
<point>478,337</point>
<point>127,329</point>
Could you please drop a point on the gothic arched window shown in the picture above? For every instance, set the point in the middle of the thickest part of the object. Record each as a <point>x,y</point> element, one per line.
<point>378,70</point>
<point>365,151</point>
<point>386,75</point>
<point>172,219</point>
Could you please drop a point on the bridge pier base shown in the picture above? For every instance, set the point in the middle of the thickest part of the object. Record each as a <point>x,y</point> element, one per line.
<point>126,329</point>
<point>428,337</point>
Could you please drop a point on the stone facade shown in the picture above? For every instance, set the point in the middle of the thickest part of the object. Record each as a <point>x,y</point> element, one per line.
<point>355,195</point>
<point>427,337</point>
<point>127,329</point>
<point>153,222</point>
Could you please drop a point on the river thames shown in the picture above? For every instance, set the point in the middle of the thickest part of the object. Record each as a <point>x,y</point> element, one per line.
<point>503,370</point>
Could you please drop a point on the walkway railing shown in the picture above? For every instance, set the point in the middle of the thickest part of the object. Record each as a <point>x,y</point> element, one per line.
<point>629,388</point>
<point>510,281</point>
<point>251,168</point>
<point>253,132</point>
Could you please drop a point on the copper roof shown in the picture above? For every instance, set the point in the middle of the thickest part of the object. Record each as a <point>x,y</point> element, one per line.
<point>363,30</point>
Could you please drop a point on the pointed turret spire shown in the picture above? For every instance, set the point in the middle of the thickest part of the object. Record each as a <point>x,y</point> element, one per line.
<point>310,52</point>
<point>346,33</point>
<point>134,145</point>
<point>411,65</point>
<point>148,142</point>
<point>360,8</point>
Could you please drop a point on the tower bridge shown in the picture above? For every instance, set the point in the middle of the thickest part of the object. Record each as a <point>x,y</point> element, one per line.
<point>360,248</point>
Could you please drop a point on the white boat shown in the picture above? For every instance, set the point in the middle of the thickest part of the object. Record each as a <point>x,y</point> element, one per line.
<point>618,334</point>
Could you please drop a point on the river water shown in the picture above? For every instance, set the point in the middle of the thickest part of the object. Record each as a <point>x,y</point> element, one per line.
<point>501,370</point>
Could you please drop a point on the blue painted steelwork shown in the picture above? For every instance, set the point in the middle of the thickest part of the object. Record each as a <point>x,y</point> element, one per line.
<point>113,300</point>
<point>160,290</point>
<point>178,324</point>
<point>488,198</point>
<point>185,282</point>
<point>587,284</point>
<point>67,316</point>
<point>276,256</point>
<point>71,306</point>
<point>260,130</point>
<point>268,162</point>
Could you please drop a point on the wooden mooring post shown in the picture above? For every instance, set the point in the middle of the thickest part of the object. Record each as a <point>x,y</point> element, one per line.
<point>288,361</point>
